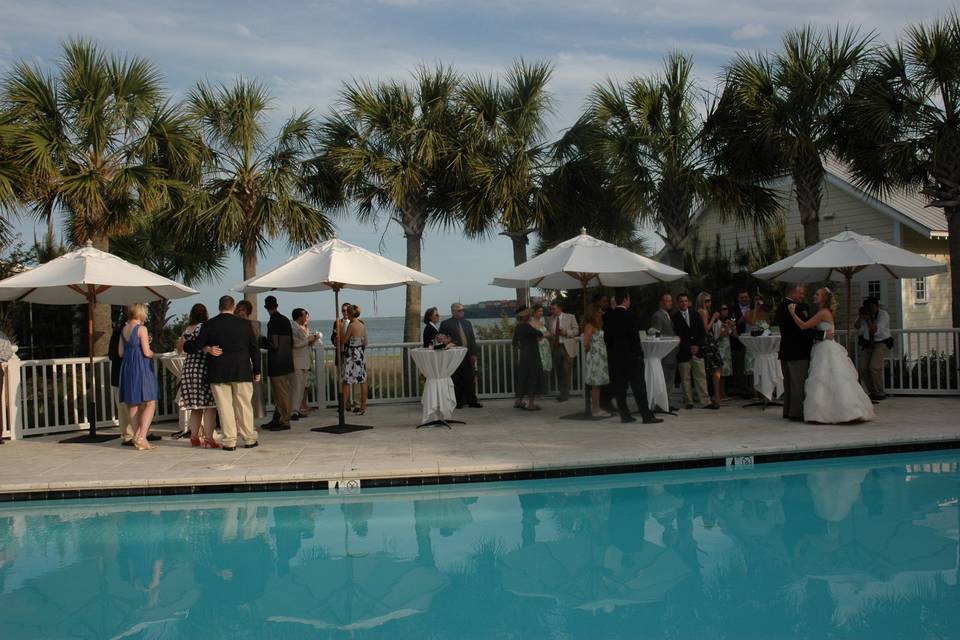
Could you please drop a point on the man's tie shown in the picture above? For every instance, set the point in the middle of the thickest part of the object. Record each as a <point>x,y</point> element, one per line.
<point>556,333</point>
<point>463,334</point>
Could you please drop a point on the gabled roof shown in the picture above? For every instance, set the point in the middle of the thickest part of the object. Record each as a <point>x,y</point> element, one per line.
<point>902,206</point>
<point>897,204</point>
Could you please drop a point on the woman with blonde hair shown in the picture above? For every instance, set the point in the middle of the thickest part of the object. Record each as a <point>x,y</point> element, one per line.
<point>832,393</point>
<point>596,369</point>
<point>710,351</point>
<point>138,382</point>
<point>354,362</point>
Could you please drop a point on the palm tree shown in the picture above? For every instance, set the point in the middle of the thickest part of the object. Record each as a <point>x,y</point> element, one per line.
<point>392,147</point>
<point>778,114</point>
<point>650,136</point>
<point>82,139</point>
<point>903,125</point>
<point>507,155</point>
<point>254,189</point>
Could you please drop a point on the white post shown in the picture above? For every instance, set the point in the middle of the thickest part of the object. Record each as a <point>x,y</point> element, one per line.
<point>11,395</point>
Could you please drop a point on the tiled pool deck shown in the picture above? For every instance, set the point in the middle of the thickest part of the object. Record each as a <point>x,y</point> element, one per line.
<point>497,442</point>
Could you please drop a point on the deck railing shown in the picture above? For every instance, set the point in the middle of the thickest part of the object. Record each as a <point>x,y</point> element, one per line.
<point>50,396</point>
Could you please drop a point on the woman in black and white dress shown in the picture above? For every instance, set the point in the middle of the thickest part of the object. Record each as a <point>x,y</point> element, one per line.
<point>354,360</point>
<point>195,394</point>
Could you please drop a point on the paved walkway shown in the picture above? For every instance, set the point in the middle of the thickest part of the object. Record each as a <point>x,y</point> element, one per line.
<point>497,438</point>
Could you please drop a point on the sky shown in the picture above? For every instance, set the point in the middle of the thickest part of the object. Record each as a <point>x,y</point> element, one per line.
<point>305,51</point>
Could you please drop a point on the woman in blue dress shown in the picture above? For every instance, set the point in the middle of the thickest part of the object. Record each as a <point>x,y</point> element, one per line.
<point>138,381</point>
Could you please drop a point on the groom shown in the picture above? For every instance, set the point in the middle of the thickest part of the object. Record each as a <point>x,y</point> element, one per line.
<point>795,346</point>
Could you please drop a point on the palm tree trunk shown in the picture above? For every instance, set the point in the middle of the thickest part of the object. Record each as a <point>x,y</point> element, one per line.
<point>673,256</point>
<point>808,186</point>
<point>411,319</point>
<point>519,240</point>
<point>953,246</point>
<point>249,256</point>
<point>102,325</point>
<point>48,212</point>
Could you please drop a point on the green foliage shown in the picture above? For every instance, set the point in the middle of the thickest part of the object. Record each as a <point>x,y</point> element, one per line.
<point>501,331</point>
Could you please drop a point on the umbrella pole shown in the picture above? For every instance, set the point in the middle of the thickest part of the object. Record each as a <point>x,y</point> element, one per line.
<point>91,436</point>
<point>850,342</point>
<point>586,390</point>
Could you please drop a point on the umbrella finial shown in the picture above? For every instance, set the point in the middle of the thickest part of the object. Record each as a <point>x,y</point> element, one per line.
<point>88,244</point>
<point>583,231</point>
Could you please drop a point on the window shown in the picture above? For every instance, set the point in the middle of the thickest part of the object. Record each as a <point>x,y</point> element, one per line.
<point>920,291</point>
<point>873,289</point>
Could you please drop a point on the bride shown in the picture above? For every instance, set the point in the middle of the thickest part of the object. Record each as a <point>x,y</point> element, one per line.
<point>832,392</point>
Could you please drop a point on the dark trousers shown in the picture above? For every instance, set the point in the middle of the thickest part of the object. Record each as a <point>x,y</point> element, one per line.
<point>465,383</point>
<point>794,379</point>
<point>624,374</point>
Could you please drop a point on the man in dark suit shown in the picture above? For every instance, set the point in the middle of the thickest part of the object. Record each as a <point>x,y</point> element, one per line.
<point>625,358</point>
<point>279,346</point>
<point>738,311</point>
<point>693,375</point>
<point>795,347</point>
<point>232,368</point>
<point>461,334</point>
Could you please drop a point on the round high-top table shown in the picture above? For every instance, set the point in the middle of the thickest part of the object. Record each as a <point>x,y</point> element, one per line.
<point>173,363</point>
<point>439,398</point>
<point>767,374</point>
<point>654,351</point>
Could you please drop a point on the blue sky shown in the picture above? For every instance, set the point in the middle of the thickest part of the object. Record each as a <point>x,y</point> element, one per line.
<point>306,50</point>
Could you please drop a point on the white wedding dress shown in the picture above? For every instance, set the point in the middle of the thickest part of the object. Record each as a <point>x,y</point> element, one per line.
<point>832,392</point>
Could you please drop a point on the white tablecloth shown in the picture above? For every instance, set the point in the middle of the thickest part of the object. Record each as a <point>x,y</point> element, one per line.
<point>767,375</point>
<point>654,351</point>
<point>173,362</point>
<point>437,365</point>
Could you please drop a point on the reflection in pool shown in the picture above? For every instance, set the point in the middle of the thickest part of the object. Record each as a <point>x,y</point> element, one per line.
<point>864,547</point>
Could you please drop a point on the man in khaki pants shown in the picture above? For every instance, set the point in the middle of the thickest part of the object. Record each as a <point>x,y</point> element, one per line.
<point>232,368</point>
<point>874,340</point>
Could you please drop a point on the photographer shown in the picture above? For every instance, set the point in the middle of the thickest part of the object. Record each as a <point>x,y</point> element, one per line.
<point>875,342</point>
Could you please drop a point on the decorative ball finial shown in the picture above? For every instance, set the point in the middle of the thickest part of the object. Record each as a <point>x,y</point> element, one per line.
<point>89,244</point>
<point>583,231</point>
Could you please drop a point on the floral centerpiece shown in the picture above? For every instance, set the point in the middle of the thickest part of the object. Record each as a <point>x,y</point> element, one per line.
<point>763,327</point>
<point>653,333</point>
<point>441,341</point>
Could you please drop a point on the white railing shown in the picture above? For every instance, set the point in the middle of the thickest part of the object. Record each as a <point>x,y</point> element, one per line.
<point>50,396</point>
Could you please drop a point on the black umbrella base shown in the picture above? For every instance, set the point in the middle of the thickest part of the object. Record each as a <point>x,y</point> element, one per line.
<point>341,428</point>
<point>584,416</point>
<point>91,438</point>
<point>441,423</point>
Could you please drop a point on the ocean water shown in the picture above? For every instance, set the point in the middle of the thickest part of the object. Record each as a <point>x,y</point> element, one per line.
<point>852,548</point>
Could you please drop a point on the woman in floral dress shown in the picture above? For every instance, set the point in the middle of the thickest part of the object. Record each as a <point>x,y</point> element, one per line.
<point>596,371</point>
<point>354,359</point>
<point>546,357</point>
<point>710,351</point>
<point>195,394</point>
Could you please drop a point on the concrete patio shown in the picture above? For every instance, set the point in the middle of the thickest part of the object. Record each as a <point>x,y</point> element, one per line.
<point>496,439</point>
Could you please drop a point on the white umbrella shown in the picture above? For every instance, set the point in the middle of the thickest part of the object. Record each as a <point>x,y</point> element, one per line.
<point>331,266</point>
<point>585,261</point>
<point>849,256</point>
<point>92,276</point>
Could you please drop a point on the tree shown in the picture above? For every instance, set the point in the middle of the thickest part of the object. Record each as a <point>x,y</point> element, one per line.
<point>902,127</point>
<point>650,136</point>
<point>392,145</point>
<point>506,155</point>
<point>778,113</point>
<point>253,190</point>
<point>81,140</point>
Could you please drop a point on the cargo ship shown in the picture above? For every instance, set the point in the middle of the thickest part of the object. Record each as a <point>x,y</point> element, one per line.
<point>493,308</point>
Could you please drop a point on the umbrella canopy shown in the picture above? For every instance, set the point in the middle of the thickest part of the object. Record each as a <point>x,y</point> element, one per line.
<point>71,278</point>
<point>336,264</point>
<point>585,261</point>
<point>852,255</point>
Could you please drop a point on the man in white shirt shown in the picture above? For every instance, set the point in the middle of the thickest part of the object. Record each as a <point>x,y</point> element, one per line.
<point>875,342</point>
<point>564,330</point>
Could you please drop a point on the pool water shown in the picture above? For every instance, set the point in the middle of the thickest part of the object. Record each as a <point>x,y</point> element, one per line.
<point>853,548</point>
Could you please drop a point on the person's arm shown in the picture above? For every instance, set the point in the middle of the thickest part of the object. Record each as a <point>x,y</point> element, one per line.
<point>883,322</point>
<point>253,350</point>
<point>300,338</point>
<point>587,337</point>
<point>574,327</point>
<point>121,345</point>
<point>145,343</point>
<point>805,324</point>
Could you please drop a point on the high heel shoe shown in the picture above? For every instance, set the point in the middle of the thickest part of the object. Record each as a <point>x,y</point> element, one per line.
<point>211,444</point>
<point>195,441</point>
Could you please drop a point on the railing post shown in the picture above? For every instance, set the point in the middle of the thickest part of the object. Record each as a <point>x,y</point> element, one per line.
<point>11,395</point>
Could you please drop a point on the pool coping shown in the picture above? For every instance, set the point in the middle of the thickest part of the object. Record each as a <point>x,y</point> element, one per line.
<point>491,473</point>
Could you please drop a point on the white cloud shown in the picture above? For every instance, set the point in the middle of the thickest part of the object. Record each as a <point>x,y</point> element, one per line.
<point>750,32</point>
<point>242,29</point>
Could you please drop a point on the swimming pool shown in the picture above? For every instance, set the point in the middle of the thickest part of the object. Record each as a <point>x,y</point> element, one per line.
<point>853,548</point>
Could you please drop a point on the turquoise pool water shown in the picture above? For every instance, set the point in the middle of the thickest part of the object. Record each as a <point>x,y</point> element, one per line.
<point>853,548</point>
